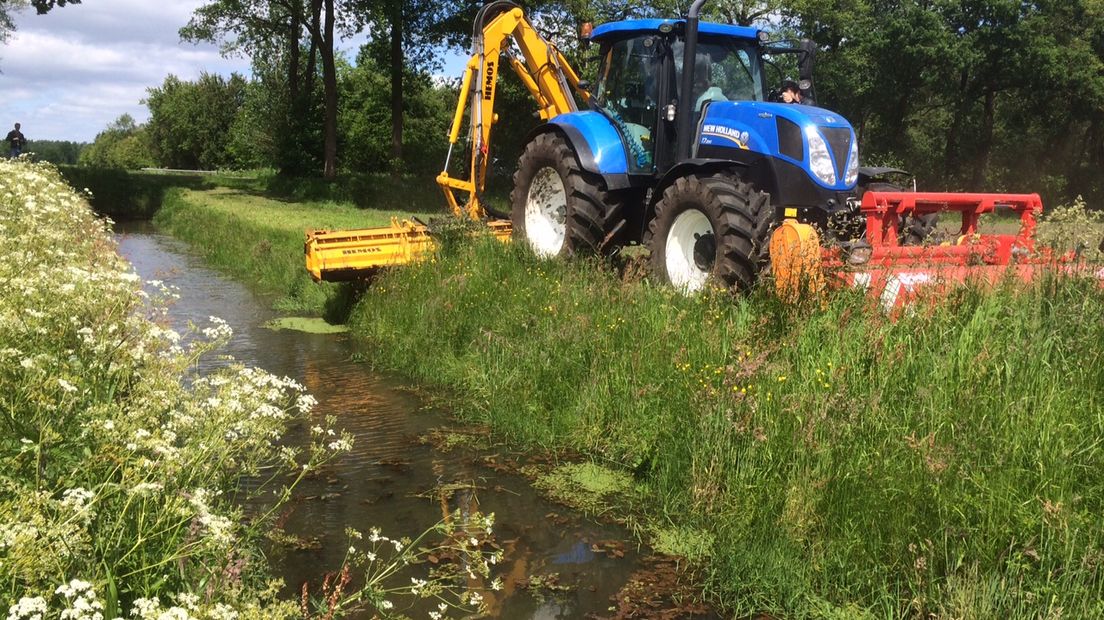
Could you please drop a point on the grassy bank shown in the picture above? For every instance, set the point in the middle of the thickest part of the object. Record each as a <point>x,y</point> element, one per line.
<point>130,194</point>
<point>831,463</point>
<point>127,195</point>
<point>834,462</point>
<point>121,492</point>
<point>260,239</point>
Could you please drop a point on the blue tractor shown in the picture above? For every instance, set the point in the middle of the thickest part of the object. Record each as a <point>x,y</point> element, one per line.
<point>692,142</point>
<point>688,148</point>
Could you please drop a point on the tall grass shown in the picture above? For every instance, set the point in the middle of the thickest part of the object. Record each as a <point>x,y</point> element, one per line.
<point>948,462</point>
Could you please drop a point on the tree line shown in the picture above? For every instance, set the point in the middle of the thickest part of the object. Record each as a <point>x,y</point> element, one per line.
<point>966,94</point>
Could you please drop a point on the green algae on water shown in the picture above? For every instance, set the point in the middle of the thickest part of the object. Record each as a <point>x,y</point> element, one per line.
<point>586,486</point>
<point>306,324</point>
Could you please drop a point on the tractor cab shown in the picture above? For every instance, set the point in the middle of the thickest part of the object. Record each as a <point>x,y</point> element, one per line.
<point>805,157</point>
<point>641,69</point>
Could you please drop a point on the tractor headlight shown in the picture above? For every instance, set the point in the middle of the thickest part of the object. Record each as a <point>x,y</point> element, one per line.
<point>853,163</point>
<point>820,160</point>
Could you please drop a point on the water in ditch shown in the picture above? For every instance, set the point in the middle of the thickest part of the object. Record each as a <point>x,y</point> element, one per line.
<point>391,480</point>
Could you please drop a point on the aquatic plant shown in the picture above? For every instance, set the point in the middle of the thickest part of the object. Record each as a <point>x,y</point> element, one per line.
<point>459,551</point>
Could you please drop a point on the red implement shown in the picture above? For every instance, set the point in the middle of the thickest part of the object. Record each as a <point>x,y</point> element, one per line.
<point>897,273</point>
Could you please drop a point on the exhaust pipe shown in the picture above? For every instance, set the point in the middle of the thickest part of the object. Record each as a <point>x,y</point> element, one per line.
<point>686,104</point>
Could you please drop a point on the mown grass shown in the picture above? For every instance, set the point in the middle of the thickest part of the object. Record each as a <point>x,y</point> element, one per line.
<point>948,462</point>
<point>260,240</point>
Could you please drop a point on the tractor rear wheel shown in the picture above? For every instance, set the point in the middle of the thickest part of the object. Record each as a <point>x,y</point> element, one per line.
<point>558,208</point>
<point>710,227</point>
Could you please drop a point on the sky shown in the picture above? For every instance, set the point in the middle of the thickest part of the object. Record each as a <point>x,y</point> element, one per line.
<point>66,75</point>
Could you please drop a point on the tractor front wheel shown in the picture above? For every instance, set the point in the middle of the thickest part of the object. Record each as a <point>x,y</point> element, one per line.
<point>710,227</point>
<point>558,208</point>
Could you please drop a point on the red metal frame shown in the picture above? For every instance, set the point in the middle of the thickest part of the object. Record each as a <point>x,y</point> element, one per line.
<point>885,210</point>
<point>897,274</point>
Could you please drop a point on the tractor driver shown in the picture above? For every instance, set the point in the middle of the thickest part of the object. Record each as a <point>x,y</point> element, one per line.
<point>791,92</point>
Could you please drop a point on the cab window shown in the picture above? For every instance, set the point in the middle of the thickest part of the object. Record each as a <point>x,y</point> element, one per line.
<point>723,71</point>
<point>626,91</point>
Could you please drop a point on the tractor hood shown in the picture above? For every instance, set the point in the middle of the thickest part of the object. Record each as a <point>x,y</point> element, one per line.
<point>819,141</point>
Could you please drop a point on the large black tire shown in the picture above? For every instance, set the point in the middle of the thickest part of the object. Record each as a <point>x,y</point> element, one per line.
<point>568,209</point>
<point>731,243</point>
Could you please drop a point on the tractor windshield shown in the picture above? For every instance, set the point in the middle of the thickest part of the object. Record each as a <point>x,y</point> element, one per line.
<point>725,70</point>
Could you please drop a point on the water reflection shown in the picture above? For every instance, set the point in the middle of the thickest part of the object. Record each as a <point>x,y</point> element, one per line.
<point>390,480</point>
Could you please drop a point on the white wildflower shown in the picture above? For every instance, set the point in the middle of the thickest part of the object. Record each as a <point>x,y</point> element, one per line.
<point>146,608</point>
<point>188,601</point>
<point>76,499</point>
<point>28,609</point>
<point>143,489</point>
<point>305,403</point>
<point>340,445</point>
<point>222,611</point>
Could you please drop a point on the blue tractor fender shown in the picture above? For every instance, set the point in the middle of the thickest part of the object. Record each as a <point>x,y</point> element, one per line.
<point>688,167</point>
<point>597,143</point>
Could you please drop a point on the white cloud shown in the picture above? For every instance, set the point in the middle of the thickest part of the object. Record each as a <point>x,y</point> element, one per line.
<point>69,73</point>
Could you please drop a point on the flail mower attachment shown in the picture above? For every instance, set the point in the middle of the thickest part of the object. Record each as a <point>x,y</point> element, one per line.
<point>897,274</point>
<point>340,255</point>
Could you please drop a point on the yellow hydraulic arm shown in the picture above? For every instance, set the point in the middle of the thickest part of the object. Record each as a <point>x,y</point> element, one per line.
<point>543,70</point>
<point>350,254</point>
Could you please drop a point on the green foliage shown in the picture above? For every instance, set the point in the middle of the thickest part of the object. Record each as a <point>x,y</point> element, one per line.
<point>947,462</point>
<point>57,152</point>
<point>122,484</point>
<point>365,124</point>
<point>190,122</point>
<point>985,95</point>
<point>126,195</point>
<point>123,144</point>
<point>1074,228</point>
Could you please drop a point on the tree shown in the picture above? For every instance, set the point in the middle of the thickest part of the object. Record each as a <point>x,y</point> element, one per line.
<point>123,144</point>
<point>60,152</point>
<point>246,24</point>
<point>7,7</point>
<point>365,127</point>
<point>44,6</point>
<point>190,122</point>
